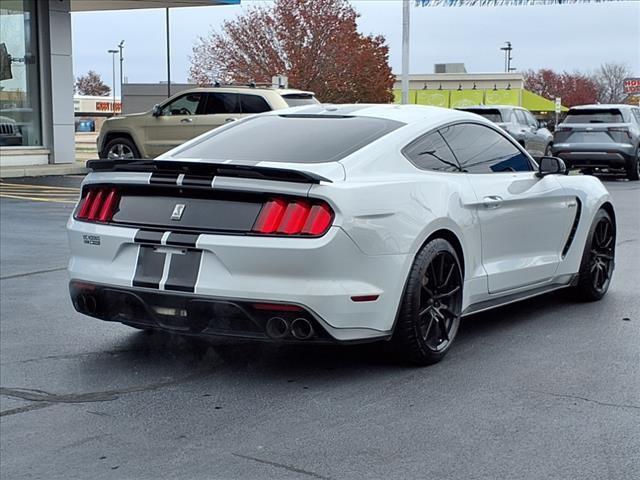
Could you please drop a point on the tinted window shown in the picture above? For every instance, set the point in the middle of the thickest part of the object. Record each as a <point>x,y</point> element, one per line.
<point>218,102</point>
<point>253,104</point>
<point>184,105</point>
<point>480,149</point>
<point>290,138</point>
<point>599,115</point>
<point>297,99</point>
<point>490,114</point>
<point>431,152</point>
<point>531,120</point>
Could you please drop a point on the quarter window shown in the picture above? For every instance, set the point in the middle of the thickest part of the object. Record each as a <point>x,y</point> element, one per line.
<point>481,149</point>
<point>431,152</point>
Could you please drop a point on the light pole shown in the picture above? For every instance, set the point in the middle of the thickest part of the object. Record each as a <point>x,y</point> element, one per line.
<point>406,12</point>
<point>113,57</point>
<point>507,57</point>
<point>120,47</point>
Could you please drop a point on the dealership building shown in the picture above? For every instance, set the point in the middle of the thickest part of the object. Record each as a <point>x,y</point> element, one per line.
<point>37,120</point>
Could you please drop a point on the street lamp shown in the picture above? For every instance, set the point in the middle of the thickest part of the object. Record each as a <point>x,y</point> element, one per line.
<point>120,47</point>
<point>113,57</point>
<point>507,57</point>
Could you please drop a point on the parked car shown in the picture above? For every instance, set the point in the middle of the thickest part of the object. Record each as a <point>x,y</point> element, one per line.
<point>520,123</point>
<point>336,224</point>
<point>187,115</point>
<point>10,135</point>
<point>600,136</point>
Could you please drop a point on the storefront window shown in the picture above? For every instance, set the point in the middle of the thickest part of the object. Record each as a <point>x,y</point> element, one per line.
<point>19,85</point>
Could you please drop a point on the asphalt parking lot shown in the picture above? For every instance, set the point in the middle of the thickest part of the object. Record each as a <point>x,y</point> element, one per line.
<point>545,389</point>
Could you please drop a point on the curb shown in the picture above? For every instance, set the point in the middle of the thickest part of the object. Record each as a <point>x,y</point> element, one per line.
<point>43,170</point>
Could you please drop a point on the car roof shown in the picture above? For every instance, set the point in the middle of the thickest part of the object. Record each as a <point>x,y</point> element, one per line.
<point>409,114</point>
<point>601,106</point>
<point>490,107</point>
<point>247,89</point>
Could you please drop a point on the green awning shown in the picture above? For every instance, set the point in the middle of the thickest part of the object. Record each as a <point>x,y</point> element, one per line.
<point>536,103</point>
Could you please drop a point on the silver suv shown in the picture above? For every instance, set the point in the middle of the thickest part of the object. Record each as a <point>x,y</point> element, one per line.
<point>520,124</point>
<point>187,115</point>
<point>600,136</point>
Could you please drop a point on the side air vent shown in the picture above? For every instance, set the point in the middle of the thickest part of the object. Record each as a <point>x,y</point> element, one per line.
<point>574,227</point>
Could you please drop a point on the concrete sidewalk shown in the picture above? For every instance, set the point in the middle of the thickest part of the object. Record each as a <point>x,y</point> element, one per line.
<point>76,168</point>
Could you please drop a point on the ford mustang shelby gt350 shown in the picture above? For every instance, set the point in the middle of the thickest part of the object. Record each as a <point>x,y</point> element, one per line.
<point>337,224</point>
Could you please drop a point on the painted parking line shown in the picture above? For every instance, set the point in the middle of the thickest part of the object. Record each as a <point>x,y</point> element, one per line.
<point>39,193</point>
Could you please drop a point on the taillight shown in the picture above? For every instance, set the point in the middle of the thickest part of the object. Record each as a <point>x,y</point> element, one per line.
<point>293,217</point>
<point>98,204</point>
<point>624,130</point>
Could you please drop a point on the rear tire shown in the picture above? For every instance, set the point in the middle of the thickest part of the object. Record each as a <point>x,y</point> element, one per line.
<point>430,308</point>
<point>598,259</point>
<point>633,167</point>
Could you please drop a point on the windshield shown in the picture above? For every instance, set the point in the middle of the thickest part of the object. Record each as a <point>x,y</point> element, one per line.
<point>298,99</point>
<point>294,138</point>
<point>492,115</point>
<point>594,116</point>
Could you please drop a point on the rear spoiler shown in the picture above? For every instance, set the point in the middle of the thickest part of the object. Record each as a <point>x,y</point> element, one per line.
<point>204,168</point>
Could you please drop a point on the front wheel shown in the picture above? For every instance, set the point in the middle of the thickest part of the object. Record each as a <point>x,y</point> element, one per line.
<point>120,148</point>
<point>598,259</point>
<point>430,308</point>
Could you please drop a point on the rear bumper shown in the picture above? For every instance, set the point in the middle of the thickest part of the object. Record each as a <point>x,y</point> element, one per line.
<point>319,274</point>
<point>609,156</point>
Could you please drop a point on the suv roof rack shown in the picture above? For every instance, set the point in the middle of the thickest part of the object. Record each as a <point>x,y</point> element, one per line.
<point>244,85</point>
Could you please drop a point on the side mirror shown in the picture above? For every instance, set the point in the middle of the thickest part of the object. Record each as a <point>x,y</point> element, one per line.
<point>542,124</point>
<point>156,111</point>
<point>551,166</point>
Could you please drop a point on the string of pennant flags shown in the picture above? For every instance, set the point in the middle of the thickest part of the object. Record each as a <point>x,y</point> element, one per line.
<point>501,3</point>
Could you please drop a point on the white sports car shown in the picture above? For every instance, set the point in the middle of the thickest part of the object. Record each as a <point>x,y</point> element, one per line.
<point>347,223</point>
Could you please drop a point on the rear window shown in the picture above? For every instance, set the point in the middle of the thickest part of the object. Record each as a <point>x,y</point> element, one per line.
<point>594,116</point>
<point>290,138</point>
<point>298,99</point>
<point>491,115</point>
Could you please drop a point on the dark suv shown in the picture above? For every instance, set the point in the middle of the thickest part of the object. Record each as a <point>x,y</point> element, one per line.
<point>600,136</point>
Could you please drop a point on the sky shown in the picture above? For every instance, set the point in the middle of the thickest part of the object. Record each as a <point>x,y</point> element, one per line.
<point>560,37</point>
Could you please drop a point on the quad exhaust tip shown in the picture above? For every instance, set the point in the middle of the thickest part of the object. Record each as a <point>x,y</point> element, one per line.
<point>301,329</point>
<point>279,328</point>
<point>88,304</point>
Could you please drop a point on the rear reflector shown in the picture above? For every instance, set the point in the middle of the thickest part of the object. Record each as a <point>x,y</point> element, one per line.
<point>277,307</point>
<point>294,217</point>
<point>98,205</point>
<point>365,298</point>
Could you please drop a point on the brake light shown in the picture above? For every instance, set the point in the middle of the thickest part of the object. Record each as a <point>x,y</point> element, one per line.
<point>621,130</point>
<point>98,205</point>
<point>293,217</point>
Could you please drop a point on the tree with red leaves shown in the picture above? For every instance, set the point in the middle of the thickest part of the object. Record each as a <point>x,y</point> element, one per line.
<point>91,84</point>
<point>315,43</point>
<point>573,88</point>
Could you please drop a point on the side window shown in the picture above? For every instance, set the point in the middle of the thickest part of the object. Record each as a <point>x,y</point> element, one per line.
<point>480,149</point>
<point>253,104</point>
<point>183,105</point>
<point>531,120</point>
<point>431,152</point>
<point>636,113</point>
<point>522,120</point>
<point>219,102</point>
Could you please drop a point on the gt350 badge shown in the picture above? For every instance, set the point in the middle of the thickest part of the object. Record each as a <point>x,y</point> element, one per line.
<point>177,211</point>
<point>91,239</point>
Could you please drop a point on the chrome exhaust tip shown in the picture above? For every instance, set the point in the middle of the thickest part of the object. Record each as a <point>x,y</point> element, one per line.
<point>301,329</point>
<point>277,328</point>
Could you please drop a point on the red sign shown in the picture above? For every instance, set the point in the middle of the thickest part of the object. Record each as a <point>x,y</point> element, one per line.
<point>631,85</point>
<point>108,106</point>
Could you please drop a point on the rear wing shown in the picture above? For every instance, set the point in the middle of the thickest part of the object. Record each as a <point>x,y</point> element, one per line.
<point>204,168</point>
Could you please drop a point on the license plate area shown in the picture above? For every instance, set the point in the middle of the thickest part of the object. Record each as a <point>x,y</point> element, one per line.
<point>166,268</point>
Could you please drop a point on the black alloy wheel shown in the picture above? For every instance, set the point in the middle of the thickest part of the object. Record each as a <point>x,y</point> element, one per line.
<point>598,259</point>
<point>430,311</point>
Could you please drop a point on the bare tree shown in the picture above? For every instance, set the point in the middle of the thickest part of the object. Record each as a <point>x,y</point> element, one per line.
<point>610,77</point>
<point>91,84</point>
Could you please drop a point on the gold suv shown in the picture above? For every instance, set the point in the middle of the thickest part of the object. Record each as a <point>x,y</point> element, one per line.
<point>187,115</point>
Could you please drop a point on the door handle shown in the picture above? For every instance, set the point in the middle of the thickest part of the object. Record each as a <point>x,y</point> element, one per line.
<point>186,120</point>
<point>227,120</point>
<point>492,201</point>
